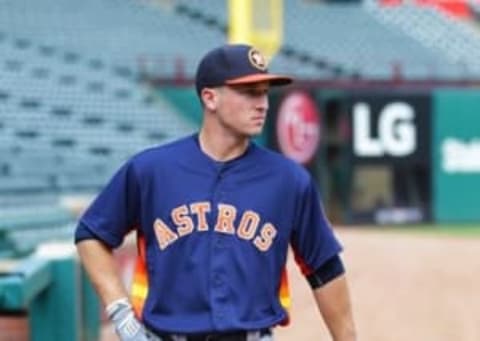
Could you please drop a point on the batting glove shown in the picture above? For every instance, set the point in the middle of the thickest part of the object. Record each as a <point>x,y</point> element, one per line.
<point>127,327</point>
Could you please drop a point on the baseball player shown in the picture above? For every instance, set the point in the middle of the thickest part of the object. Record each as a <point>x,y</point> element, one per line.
<point>214,214</point>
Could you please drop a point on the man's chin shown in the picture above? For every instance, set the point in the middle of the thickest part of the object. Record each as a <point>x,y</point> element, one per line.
<point>254,133</point>
<point>250,133</point>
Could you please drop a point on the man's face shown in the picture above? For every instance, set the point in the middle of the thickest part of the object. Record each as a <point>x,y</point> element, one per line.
<point>242,109</point>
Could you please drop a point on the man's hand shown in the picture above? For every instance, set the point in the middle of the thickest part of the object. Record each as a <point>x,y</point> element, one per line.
<point>128,328</point>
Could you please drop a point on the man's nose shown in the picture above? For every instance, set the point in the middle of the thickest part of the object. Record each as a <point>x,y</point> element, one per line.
<point>263,103</point>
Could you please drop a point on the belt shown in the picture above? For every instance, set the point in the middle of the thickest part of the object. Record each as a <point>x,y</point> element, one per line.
<point>218,336</point>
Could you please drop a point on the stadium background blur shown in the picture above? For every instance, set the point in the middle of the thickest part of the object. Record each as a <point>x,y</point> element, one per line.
<point>384,115</point>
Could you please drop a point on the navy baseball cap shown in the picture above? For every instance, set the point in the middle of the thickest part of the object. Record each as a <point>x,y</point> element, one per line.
<point>235,64</point>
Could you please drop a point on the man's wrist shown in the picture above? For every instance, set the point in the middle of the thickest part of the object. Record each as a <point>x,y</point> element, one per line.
<point>118,306</point>
<point>128,328</point>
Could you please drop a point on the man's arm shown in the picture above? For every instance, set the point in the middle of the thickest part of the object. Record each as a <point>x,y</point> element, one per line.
<point>99,262</point>
<point>333,301</point>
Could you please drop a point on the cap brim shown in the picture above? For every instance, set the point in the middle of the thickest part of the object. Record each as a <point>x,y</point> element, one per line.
<point>275,80</point>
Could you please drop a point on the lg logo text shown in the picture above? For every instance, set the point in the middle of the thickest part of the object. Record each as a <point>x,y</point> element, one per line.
<point>397,135</point>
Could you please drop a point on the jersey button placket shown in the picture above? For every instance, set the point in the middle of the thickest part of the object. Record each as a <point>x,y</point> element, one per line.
<point>218,287</point>
<point>219,243</point>
<point>220,239</point>
<point>217,280</point>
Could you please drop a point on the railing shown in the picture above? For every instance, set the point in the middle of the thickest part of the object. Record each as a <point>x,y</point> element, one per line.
<point>174,70</point>
<point>42,281</point>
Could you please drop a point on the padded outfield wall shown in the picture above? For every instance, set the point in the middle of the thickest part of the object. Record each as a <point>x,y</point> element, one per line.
<point>385,156</point>
<point>456,155</point>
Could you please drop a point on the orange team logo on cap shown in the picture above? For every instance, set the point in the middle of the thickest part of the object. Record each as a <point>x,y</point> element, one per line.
<point>257,59</point>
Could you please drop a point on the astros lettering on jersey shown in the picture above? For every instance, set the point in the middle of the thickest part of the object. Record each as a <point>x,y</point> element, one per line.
<point>246,230</point>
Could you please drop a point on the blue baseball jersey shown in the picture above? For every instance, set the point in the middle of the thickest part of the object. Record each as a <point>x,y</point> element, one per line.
<point>213,237</point>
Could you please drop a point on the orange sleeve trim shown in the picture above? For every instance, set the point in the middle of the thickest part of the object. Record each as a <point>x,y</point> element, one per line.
<point>304,268</point>
<point>139,289</point>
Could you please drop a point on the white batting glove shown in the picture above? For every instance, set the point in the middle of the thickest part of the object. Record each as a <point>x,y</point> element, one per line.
<point>127,327</point>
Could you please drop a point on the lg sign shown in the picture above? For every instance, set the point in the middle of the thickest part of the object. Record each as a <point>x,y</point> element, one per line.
<point>397,134</point>
<point>298,127</point>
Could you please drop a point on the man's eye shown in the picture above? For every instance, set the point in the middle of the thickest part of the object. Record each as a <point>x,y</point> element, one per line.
<point>254,92</point>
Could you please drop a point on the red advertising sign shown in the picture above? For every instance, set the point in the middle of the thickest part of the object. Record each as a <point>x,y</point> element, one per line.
<point>298,127</point>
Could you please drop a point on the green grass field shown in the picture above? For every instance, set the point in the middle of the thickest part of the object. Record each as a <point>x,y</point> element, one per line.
<point>464,230</point>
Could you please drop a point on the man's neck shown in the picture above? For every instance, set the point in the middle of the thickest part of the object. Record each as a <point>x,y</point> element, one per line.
<point>222,147</point>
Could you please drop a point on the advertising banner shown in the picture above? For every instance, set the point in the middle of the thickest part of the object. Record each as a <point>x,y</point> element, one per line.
<point>456,156</point>
<point>390,146</point>
<point>296,125</point>
<point>390,127</point>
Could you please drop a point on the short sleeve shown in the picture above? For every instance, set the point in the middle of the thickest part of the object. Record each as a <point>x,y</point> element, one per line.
<point>115,211</point>
<point>312,240</point>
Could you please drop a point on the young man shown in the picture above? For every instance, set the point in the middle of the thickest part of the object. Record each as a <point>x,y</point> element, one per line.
<point>214,215</point>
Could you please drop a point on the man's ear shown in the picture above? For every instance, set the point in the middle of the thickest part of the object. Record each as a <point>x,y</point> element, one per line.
<point>209,98</point>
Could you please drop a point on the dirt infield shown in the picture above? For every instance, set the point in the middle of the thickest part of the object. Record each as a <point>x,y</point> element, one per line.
<point>411,287</point>
<point>404,287</point>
